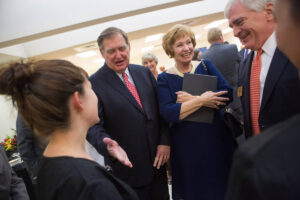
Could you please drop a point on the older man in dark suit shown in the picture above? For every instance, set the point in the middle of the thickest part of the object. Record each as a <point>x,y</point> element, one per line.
<point>129,114</point>
<point>268,82</point>
<point>267,167</point>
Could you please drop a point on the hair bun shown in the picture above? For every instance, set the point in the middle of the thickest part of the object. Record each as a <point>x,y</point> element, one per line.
<point>15,78</point>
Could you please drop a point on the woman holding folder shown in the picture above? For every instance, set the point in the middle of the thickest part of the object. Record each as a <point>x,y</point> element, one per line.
<point>201,152</point>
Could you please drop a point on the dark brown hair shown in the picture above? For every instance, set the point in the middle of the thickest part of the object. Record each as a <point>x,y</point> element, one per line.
<point>41,91</point>
<point>107,33</point>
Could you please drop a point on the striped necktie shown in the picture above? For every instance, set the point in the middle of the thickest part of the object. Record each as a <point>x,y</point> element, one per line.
<point>255,92</point>
<point>132,89</point>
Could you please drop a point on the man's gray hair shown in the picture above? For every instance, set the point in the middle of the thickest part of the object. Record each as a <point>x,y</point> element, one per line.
<point>255,5</point>
<point>109,32</point>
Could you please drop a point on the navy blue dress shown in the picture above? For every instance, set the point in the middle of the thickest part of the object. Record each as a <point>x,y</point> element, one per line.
<point>201,153</point>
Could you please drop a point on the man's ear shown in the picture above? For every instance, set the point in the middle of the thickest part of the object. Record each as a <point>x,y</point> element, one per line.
<point>269,9</point>
<point>77,101</point>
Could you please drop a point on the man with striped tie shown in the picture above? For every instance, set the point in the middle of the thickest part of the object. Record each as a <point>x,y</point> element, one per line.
<point>128,112</point>
<point>268,82</point>
<point>266,167</point>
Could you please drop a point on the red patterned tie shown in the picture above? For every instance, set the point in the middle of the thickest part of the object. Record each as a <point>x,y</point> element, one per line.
<point>255,92</point>
<point>132,89</point>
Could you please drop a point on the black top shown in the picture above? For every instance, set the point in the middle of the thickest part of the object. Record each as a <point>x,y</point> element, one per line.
<point>77,178</point>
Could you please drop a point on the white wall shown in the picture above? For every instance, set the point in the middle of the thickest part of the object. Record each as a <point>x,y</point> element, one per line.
<point>8,116</point>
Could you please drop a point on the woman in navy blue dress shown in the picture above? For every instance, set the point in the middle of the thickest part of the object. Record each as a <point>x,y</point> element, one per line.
<point>201,153</point>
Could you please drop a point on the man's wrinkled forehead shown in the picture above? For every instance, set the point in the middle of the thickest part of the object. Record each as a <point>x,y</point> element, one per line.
<point>237,14</point>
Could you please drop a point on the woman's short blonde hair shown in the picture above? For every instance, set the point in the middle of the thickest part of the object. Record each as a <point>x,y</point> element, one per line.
<point>176,32</point>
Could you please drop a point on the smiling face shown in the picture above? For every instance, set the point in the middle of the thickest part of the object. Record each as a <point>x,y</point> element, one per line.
<point>183,50</point>
<point>116,52</point>
<point>150,63</point>
<point>251,27</point>
<point>287,32</point>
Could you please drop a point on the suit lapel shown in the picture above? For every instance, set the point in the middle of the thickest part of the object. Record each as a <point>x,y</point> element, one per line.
<point>116,83</point>
<point>278,64</point>
<point>247,65</point>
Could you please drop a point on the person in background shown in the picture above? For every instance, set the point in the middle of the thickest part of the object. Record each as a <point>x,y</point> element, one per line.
<point>267,80</point>
<point>162,68</point>
<point>244,52</point>
<point>150,61</point>
<point>201,152</point>
<point>267,167</point>
<point>224,56</point>
<point>197,54</point>
<point>226,59</point>
<point>11,186</point>
<point>30,147</point>
<point>55,99</point>
<point>129,114</point>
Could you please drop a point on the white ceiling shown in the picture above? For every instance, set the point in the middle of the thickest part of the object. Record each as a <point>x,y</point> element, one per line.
<point>61,28</point>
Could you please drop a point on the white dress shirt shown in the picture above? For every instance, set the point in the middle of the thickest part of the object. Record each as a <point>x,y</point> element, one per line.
<point>128,75</point>
<point>268,48</point>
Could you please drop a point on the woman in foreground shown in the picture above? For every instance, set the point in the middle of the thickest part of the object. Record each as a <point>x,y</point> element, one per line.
<point>55,99</point>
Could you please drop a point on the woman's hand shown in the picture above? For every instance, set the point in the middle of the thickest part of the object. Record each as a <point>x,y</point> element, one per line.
<point>213,99</point>
<point>192,103</point>
<point>184,96</point>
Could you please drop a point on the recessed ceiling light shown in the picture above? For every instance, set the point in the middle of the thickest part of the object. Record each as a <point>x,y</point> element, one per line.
<point>100,60</point>
<point>147,48</point>
<point>152,38</point>
<point>86,54</point>
<point>215,23</point>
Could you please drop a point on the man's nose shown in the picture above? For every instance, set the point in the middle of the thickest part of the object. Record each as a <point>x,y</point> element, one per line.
<point>118,54</point>
<point>236,31</point>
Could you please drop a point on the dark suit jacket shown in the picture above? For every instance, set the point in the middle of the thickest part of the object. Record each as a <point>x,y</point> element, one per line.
<point>11,186</point>
<point>242,53</point>
<point>281,94</point>
<point>226,59</point>
<point>30,147</point>
<point>136,130</point>
<point>266,167</point>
